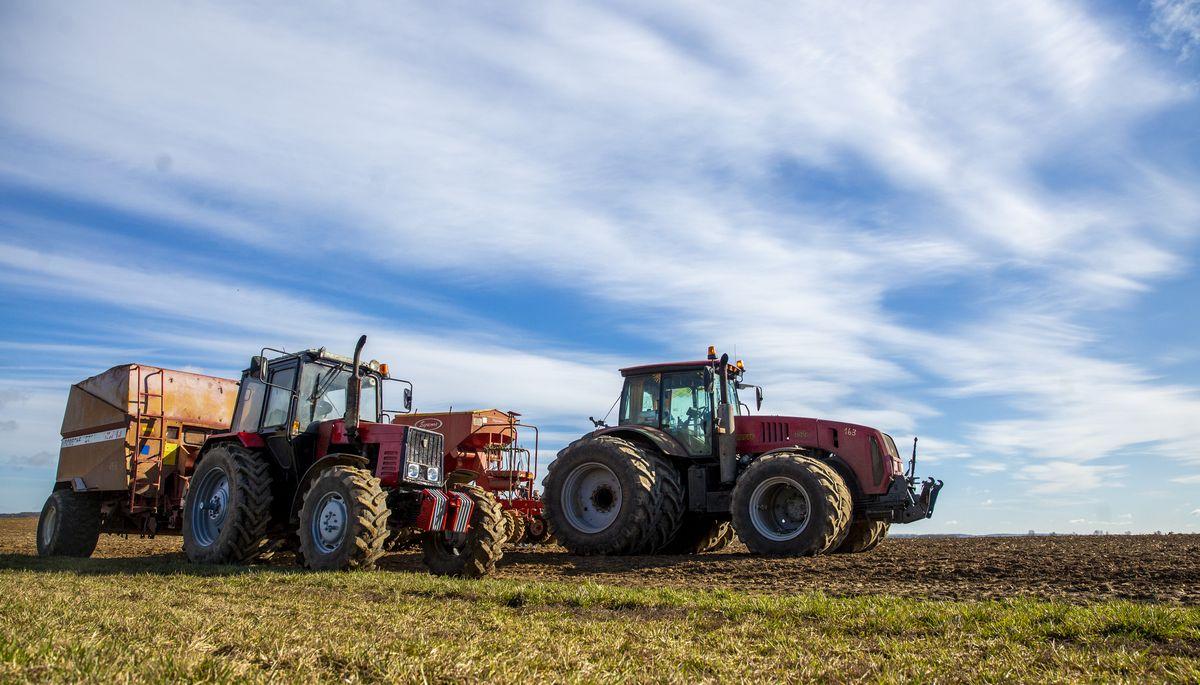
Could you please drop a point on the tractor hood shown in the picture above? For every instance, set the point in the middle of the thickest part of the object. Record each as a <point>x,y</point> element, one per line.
<point>758,433</point>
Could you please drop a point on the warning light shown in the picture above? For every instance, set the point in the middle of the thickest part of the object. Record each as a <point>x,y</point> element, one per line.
<point>383,369</point>
<point>740,365</point>
<point>712,351</point>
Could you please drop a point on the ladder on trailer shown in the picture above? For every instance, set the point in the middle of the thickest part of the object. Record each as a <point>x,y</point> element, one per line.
<point>149,444</point>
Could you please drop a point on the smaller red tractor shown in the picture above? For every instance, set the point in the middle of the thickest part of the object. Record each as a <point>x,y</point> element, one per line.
<point>483,446</point>
<point>310,461</point>
<point>687,460</point>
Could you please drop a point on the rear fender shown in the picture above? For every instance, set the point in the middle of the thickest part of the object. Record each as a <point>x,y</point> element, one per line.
<point>656,437</point>
<point>252,441</point>
<point>315,470</point>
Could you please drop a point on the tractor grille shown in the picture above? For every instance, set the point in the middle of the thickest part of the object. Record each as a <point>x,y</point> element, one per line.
<point>775,431</point>
<point>423,449</point>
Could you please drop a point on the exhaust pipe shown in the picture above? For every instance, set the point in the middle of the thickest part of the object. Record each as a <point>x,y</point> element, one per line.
<point>354,391</point>
<point>726,440</point>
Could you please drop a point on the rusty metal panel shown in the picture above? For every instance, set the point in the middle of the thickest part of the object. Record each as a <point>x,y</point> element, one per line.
<point>99,428</point>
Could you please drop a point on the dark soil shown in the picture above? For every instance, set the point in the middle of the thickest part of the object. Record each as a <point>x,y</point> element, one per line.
<point>1073,568</point>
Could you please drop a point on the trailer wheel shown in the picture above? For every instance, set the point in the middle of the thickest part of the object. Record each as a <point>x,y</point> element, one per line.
<point>697,535</point>
<point>538,531</point>
<point>69,525</point>
<point>790,504</point>
<point>227,506</point>
<point>863,536</point>
<point>343,520</point>
<point>514,526</point>
<point>472,554</point>
<point>608,495</point>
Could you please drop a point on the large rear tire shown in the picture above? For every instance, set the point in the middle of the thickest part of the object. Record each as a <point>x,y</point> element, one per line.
<point>608,495</point>
<point>227,506</point>
<point>791,505</point>
<point>697,535</point>
<point>69,525</point>
<point>475,553</point>
<point>343,521</point>
<point>862,536</point>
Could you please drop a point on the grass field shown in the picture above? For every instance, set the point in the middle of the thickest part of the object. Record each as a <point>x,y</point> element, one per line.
<point>157,618</point>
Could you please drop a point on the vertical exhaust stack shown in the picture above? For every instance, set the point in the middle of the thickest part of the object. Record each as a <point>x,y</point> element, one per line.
<point>726,440</point>
<point>354,391</point>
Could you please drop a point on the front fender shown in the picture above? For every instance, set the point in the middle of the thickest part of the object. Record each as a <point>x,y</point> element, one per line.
<point>314,471</point>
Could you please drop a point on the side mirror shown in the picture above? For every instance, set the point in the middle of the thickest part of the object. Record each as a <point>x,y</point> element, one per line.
<point>408,399</point>
<point>258,367</point>
<point>758,397</point>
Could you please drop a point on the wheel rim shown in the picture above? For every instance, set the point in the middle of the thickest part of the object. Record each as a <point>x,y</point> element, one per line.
<point>591,497</point>
<point>48,525</point>
<point>210,506</point>
<point>780,509</point>
<point>329,523</point>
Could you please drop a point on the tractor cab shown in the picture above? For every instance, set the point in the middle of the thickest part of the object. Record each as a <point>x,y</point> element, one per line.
<point>682,399</point>
<point>306,405</point>
<point>294,393</point>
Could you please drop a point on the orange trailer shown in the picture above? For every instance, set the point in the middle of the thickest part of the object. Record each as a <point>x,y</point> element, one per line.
<point>130,436</point>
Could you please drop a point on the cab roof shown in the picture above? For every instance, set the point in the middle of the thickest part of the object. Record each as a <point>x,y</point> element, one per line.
<point>664,367</point>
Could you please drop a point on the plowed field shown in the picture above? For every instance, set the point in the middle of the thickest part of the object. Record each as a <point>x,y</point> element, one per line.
<point>1076,569</point>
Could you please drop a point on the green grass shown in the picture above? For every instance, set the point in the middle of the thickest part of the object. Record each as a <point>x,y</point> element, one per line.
<point>144,620</point>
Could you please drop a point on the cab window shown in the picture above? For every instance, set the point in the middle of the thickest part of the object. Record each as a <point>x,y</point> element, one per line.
<point>249,406</point>
<point>322,394</point>
<point>688,409</point>
<point>639,403</point>
<point>279,400</point>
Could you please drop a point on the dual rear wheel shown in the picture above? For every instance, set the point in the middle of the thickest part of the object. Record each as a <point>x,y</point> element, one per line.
<point>608,495</point>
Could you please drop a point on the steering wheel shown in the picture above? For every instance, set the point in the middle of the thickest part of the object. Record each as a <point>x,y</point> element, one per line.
<point>324,409</point>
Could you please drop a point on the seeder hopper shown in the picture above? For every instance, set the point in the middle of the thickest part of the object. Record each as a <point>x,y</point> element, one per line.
<point>484,446</point>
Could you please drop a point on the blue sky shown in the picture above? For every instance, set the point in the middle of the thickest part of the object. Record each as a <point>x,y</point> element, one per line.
<point>973,222</point>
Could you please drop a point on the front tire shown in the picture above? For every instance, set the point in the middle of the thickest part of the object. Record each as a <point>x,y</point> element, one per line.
<point>863,536</point>
<point>227,507</point>
<point>69,525</point>
<point>789,504</point>
<point>475,553</point>
<point>608,495</point>
<point>343,521</point>
<point>697,535</point>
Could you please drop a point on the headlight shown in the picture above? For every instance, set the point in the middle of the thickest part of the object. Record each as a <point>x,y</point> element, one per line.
<point>414,470</point>
<point>432,474</point>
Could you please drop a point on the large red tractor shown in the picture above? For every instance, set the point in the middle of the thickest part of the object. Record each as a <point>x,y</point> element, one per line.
<point>300,464</point>
<point>687,460</point>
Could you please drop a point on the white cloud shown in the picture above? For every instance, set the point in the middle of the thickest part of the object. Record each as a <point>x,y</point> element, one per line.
<point>1177,25</point>
<point>1054,477</point>
<point>1196,512</point>
<point>1187,479</point>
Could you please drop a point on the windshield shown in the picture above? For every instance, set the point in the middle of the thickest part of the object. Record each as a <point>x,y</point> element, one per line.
<point>322,394</point>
